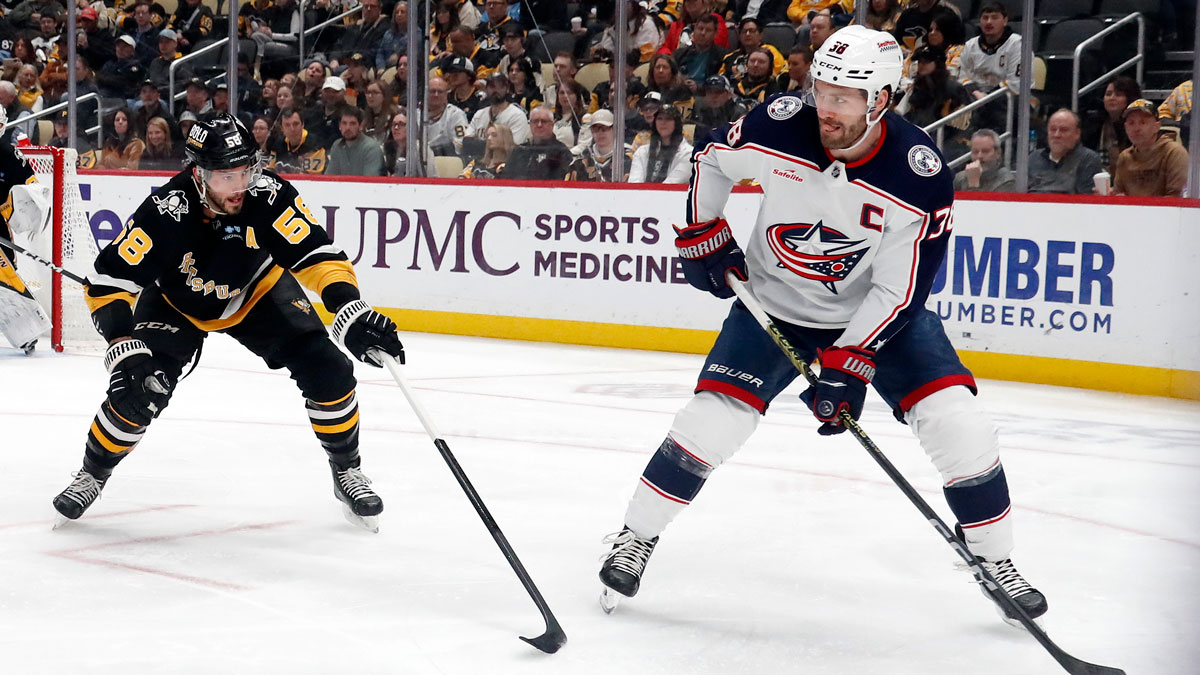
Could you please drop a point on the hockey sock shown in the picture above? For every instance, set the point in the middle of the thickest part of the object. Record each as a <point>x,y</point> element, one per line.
<point>670,482</point>
<point>109,440</point>
<point>981,505</point>
<point>335,423</point>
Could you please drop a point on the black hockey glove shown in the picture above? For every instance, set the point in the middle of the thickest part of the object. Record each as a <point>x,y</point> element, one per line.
<point>708,251</point>
<point>138,389</point>
<point>845,374</point>
<point>365,333</point>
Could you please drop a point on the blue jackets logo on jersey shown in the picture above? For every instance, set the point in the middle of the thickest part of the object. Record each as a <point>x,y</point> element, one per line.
<point>784,107</point>
<point>826,257</point>
<point>924,161</point>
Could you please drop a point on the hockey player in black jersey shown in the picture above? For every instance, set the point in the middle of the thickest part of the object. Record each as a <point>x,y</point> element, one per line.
<point>850,233</point>
<point>225,247</point>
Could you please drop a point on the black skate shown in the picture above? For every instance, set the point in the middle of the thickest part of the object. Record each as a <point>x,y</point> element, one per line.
<point>623,566</point>
<point>79,495</point>
<point>1026,596</point>
<point>353,488</point>
<point>1005,573</point>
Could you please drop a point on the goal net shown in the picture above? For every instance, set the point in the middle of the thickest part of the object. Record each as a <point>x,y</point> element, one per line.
<point>69,243</point>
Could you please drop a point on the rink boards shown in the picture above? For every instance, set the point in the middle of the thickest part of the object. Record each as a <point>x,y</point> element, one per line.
<point>1053,291</point>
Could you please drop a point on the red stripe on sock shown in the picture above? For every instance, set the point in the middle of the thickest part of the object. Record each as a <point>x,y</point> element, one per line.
<point>673,498</point>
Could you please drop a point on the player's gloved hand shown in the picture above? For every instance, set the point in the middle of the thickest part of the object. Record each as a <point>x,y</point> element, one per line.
<point>138,389</point>
<point>708,252</point>
<point>366,333</point>
<point>845,374</point>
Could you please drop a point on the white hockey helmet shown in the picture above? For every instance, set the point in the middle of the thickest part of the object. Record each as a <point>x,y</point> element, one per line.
<point>859,57</point>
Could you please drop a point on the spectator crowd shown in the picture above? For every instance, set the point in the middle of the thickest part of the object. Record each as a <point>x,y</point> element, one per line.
<point>525,89</point>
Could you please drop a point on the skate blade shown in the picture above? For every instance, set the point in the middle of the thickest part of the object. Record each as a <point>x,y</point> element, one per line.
<point>368,523</point>
<point>59,521</point>
<point>1017,624</point>
<point>609,599</point>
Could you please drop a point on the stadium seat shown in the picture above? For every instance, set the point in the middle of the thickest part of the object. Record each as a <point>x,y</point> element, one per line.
<point>388,75</point>
<point>643,72</point>
<point>548,73</point>
<point>1053,10</point>
<point>45,131</point>
<point>546,46</point>
<point>448,167</point>
<point>1151,8</point>
<point>1039,73</point>
<point>1061,39</point>
<point>781,35</point>
<point>967,9</point>
<point>592,74</point>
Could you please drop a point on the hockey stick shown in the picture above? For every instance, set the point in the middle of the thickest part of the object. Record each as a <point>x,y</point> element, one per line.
<point>65,272</point>
<point>988,583</point>
<point>553,638</point>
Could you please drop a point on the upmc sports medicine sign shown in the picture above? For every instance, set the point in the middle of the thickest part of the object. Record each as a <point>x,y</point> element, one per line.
<point>1078,282</point>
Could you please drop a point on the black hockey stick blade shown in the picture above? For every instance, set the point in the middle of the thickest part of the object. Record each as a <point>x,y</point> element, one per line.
<point>989,584</point>
<point>553,638</point>
<point>20,249</point>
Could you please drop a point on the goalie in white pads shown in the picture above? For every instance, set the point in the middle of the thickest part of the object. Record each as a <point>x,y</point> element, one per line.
<point>24,209</point>
<point>225,247</point>
<point>851,231</point>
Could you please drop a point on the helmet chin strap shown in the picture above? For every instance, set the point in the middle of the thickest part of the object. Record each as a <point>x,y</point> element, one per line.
<point>866,132</point>
<point>202,188</point>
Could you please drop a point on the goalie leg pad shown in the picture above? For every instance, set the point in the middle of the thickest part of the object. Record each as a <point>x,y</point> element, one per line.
<point>961,441</point>
<point>706,432</point>
<point>22,318</point>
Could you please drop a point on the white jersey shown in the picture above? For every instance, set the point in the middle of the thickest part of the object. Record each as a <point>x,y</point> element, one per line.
<point>512,117</point>
<point>989,67</point>
<point>446,132</point>
<point>852,246</point>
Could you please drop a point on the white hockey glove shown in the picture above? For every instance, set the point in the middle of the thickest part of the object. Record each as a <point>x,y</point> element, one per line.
<point>30,208</point>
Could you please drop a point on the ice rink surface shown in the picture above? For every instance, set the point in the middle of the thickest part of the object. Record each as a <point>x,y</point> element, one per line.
<point>219,547</point>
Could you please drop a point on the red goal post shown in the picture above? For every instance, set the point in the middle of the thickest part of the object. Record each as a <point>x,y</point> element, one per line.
<point>69,243</point>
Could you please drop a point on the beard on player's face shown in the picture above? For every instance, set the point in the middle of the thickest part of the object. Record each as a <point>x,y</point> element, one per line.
<point>840,132</point>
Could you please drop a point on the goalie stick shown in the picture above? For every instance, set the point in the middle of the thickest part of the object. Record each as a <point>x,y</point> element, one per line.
<point>65,272</point>
<point>986,581</point>
<point>553,638</point>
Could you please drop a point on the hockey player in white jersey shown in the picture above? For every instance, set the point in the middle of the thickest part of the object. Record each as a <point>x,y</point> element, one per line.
<point>852,229</point>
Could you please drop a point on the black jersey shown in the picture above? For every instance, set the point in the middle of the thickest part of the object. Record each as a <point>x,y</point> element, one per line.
<point>214,269</point>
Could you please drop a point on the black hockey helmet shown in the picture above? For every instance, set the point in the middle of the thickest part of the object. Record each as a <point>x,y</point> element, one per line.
<point>220,141</point>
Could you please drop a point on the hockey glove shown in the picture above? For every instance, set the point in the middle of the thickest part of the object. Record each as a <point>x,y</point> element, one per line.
<point>845,374</point>
<point>708,251</point>
<point>138,389</point>
<point>366,333</point>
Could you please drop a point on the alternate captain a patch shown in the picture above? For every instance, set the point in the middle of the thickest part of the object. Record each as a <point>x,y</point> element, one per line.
<point>924,161</point>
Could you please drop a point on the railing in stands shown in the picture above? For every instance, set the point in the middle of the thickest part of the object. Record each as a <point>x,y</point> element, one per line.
<point>327,22</point>
<point>184,59</point>
<point>1138,59</point>
<point>46,112</point>
<point>1006,138</point>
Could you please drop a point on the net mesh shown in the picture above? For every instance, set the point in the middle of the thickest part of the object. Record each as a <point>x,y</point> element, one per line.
<point>68,242</point>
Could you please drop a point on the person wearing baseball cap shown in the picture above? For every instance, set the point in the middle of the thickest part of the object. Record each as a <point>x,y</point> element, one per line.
<point>642,124</point>
<point>459,73</point>
<point>718,106</point>
<point>160,67</point>
<point>323,121</point>
<point>94,41</point>
<point>199,97</point>
<point>594,164</point>
<point>1153,165</point>
<point>500,110</point>
<point>121,77</point>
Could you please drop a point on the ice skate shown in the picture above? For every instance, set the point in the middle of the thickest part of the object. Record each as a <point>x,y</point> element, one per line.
<point>79,495</point>
<point>29,347</point>
<point>623,566</point>
<point>1026,596</point>
<point>361,505</point>
<point>1005,573</point>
